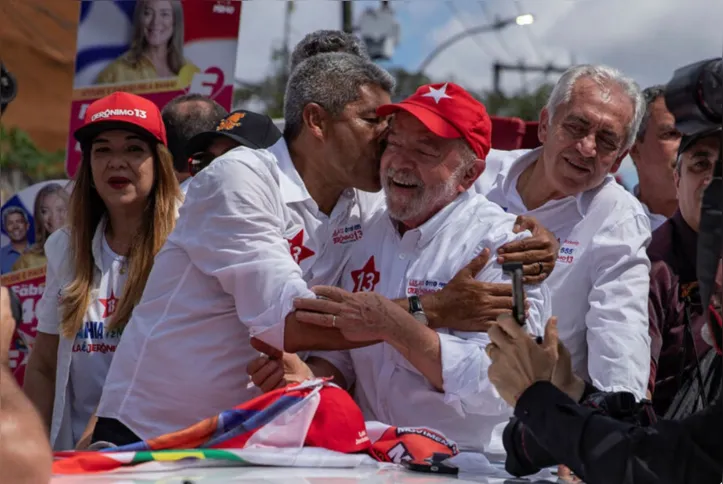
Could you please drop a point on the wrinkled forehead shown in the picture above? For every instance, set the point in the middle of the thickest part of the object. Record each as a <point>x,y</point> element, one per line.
<point>405,125</point>
<point>603,104</point>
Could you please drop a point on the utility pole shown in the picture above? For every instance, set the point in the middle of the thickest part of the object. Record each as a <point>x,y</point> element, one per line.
<point>347,22</point>
<point>286,52</point>
<point>522,68</point>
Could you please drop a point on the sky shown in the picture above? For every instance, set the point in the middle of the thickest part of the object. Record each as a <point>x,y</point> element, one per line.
<point>646,39</point>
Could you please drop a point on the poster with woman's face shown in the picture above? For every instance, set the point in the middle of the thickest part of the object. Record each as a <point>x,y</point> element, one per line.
<point>158,49</point>
<point>29,217</point>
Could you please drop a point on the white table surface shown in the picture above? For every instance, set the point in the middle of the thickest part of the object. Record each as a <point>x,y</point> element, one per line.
<point>287,475</point>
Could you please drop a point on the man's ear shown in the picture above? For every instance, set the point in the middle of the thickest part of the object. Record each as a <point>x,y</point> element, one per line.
<point>543,125</point>
<point>316,120</point>
<point>473,171</point>
<point>618,162</point>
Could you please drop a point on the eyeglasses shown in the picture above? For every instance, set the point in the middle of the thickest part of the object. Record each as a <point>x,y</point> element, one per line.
<point>199,161</point>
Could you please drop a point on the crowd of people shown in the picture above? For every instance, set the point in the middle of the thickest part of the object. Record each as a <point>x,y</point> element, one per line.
<point>204,249</point>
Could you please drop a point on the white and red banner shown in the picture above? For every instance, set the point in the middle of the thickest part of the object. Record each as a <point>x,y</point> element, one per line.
<point>158,49</point>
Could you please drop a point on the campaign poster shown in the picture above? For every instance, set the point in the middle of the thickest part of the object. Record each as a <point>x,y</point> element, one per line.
<point>28,219</point>
<point>158,49</point>
<point>28,285</point>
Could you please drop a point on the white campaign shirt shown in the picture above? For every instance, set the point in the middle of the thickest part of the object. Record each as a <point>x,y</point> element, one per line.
<point>83,361</point>
<point>388,388</point>
<point>248,241</point>
<point>601,280</point>
<point>184,185</point>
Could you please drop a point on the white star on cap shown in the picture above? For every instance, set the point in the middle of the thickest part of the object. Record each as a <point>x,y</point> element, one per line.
<point>438,94</point>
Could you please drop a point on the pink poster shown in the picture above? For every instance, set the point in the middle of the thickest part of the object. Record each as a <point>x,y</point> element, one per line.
<point>158,49</point>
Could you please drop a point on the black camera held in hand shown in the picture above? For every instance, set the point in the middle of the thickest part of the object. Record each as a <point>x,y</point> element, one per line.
<point>695,98</point>
<point>525,455</point>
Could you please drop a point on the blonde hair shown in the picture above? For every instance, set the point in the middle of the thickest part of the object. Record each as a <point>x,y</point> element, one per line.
<point>41,234</point>
<point>175,57</point>
<point>86,211</point>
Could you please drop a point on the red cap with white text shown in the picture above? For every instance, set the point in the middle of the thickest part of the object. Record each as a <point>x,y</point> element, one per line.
<point>122,110</point>
<point>449,111</point>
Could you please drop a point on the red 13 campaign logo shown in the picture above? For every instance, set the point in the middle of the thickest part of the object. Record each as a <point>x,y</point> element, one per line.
<point>298,250</point>
<point>366,278</point>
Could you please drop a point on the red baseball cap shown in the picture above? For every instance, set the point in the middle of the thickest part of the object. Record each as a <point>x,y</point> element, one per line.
<point>449,111</point>
<point>122,110</point>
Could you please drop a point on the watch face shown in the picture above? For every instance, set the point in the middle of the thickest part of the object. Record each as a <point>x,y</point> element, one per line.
<point>421,317</point>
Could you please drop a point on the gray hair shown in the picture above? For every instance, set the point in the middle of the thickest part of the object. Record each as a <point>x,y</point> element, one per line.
<point>331,80</point>
<point>11,210</point>
<point>603,76</point>
<point>650,95</point>
<point>324,41</point>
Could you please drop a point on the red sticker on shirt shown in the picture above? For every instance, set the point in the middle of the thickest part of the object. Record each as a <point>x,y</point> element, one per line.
<point>298,250</point>
<point>366,278</point>
<point>109,304</point>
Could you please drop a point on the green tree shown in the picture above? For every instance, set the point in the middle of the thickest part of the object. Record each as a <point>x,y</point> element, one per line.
<point>522,104</point>
<point>270,91</point>
<point>18,152</point>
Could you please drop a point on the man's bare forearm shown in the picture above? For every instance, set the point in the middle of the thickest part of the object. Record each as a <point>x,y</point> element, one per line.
<point>304,337</point>
<point>25,455</point>
<point>420,346</point>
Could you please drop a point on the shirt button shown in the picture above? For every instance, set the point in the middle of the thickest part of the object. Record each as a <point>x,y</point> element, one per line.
<point>402,256</point>
<point>349,193</point>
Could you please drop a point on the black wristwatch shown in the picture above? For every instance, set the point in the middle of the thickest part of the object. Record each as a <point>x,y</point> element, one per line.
<point>416,310</point>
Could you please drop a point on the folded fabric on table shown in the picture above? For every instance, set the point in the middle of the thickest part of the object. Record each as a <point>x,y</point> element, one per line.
<point>313,414</point>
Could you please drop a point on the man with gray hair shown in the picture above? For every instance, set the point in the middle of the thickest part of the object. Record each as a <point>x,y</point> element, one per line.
<point>325,41</point>
<point>654,153</point>
<point>258,228</point>
<point>184,117</point>
<point>600,283</point>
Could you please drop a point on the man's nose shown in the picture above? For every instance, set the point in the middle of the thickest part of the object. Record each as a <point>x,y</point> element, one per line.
<point>587,146</point>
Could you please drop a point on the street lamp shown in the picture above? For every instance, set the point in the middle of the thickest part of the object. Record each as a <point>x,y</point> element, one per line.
<point>525,19</point>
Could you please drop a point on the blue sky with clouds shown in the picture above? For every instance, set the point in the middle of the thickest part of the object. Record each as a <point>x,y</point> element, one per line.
<point>647,39</point>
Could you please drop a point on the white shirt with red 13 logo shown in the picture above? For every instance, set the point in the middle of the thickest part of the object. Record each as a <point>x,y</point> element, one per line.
<point>248,241</point>
<point>388,388</point>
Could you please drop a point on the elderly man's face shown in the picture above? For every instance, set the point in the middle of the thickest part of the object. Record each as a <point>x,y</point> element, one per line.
<point>422,172</point>
<point>585,140</point>
<point>696,171</point>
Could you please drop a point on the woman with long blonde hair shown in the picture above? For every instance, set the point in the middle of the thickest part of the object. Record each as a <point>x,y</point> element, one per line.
<point>51,207</point>
<point>156,50</point>
<point>122,208</point>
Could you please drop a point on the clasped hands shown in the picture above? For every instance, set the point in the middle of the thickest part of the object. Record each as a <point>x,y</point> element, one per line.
<point>464,304</point>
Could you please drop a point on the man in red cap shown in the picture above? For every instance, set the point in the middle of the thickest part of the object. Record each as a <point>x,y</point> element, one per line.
<point>431,228</point>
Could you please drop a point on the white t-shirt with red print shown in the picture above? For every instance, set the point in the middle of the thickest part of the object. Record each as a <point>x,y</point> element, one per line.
<point>95,343</point>
<point>83,361</point>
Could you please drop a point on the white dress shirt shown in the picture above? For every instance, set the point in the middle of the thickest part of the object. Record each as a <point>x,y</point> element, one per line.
<point>248,241</point>
<point>601,280</point>
<point>184,185</point>
<point>389,389</point>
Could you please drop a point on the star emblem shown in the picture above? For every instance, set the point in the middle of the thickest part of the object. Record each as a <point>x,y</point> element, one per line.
<point>366,278</point>
<point>109,304</point>
<point>297,248</point>
<point>438,94</point>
